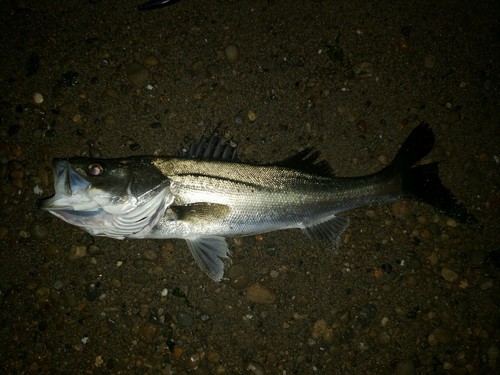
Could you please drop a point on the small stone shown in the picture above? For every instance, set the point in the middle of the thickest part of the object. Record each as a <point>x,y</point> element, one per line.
<point>384,338</point>
<point>405,367</point>
<point>37,98</point>
<point>151,60</point>
<point>452,223</point>
<point>150,254</point>
<point>184,319</point>
<point>442,335</point>
<point>148,331</point>
<point>370,213</point>
<point>77,252</point>
<point>52,250</point>
<point>232,53</point>
<point>137,73</point>
<point>429,61</point>
<point>255,368</point>
<point>237,276</point>
<point>251,116</point>
<point>449,275</point>
<point>383,159</point>
<point>39,231</point>
<point>257,293</point>
<point>488,284</point>
<point>433,259</point>
<point>319,328</point>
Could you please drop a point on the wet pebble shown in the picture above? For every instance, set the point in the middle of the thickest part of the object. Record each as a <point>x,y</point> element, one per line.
<point>259,294</point>
<point>429,61</point>
<point>39,231</point>
<point>237,276</point>
<point>384,338</point>
<point>405,367</point>
<point>137,73</point>
<point>184,319</point>
<point>147,331</point>
<point>255,368</point>
<point>488,284</point>
<point>232,53</point>
<point>208,306</point>
<point>77,252</point>
<point>150,254</point>
<point>37,98</point>
<point>477,257</point>
<point>440,335</point>
<point>449,275</point>
<point>141,278</point>
<point>151,60</point>
<point>52,250</point>
<point>452,223</point>
<point>321,330</point>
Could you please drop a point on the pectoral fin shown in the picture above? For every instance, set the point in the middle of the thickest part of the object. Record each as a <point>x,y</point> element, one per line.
<point>328,231</point>
<point>209,253</point>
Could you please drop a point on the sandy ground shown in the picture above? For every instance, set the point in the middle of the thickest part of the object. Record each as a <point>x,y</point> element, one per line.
<point>408,292</point>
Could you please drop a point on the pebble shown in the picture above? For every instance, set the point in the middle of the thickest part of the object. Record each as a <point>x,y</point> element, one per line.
<point>257,293</point>
<point>37,98</point>
<point>405,367</point>
<point>150,254</point>
<point>449,275</point>
<point>148,331</point>
<point>184,319</point>
<point>383,159</point>
<point>255,368</point>
<point>237,276</point>
<point>137,73</point>
<point>151,60</point>
<point>488,284</point>
<point>452,223</point>
<point>52,250</point>
<point>429,61</point>
<point>251,116</point>
<point>208,306</point>
<point>440,335</point>
<point>232,53</point>
<point>39,231</point>
<point>370,213</point>
<point>77,252</point>
<point>112,93</point>
<point>384,338</point>
<point>433,259</point>
<point>319,328</point>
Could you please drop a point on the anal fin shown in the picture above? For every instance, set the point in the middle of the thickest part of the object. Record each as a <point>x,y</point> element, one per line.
<point>209,253</point>
<point>329,230</point>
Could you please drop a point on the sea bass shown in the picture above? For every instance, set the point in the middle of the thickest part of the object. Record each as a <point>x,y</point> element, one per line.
<point>209,194</point>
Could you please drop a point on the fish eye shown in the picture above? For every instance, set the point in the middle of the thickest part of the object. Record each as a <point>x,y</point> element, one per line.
<point>95,169</point>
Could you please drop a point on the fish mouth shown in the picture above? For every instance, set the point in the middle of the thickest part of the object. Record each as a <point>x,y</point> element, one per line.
<point>69,190</point>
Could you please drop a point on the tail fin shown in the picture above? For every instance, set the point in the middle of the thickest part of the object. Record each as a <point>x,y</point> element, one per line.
<point>422,183</point>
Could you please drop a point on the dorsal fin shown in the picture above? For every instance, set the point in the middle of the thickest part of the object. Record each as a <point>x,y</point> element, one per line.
<point>307,161</point>
<point>214,148</point>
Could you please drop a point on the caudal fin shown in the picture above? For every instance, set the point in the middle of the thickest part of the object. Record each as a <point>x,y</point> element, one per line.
<point>422,183</point>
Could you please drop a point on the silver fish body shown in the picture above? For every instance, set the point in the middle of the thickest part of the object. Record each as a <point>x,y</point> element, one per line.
<point>206,197</point>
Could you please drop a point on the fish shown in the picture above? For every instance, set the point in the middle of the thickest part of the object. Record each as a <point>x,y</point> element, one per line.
<point>207,194</point>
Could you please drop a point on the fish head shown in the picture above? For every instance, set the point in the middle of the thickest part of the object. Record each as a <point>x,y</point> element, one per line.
<point>109,197</point>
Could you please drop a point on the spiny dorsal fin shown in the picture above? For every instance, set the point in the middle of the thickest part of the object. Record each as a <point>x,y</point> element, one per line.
<point>307,161</point>
<point>214,148</point>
